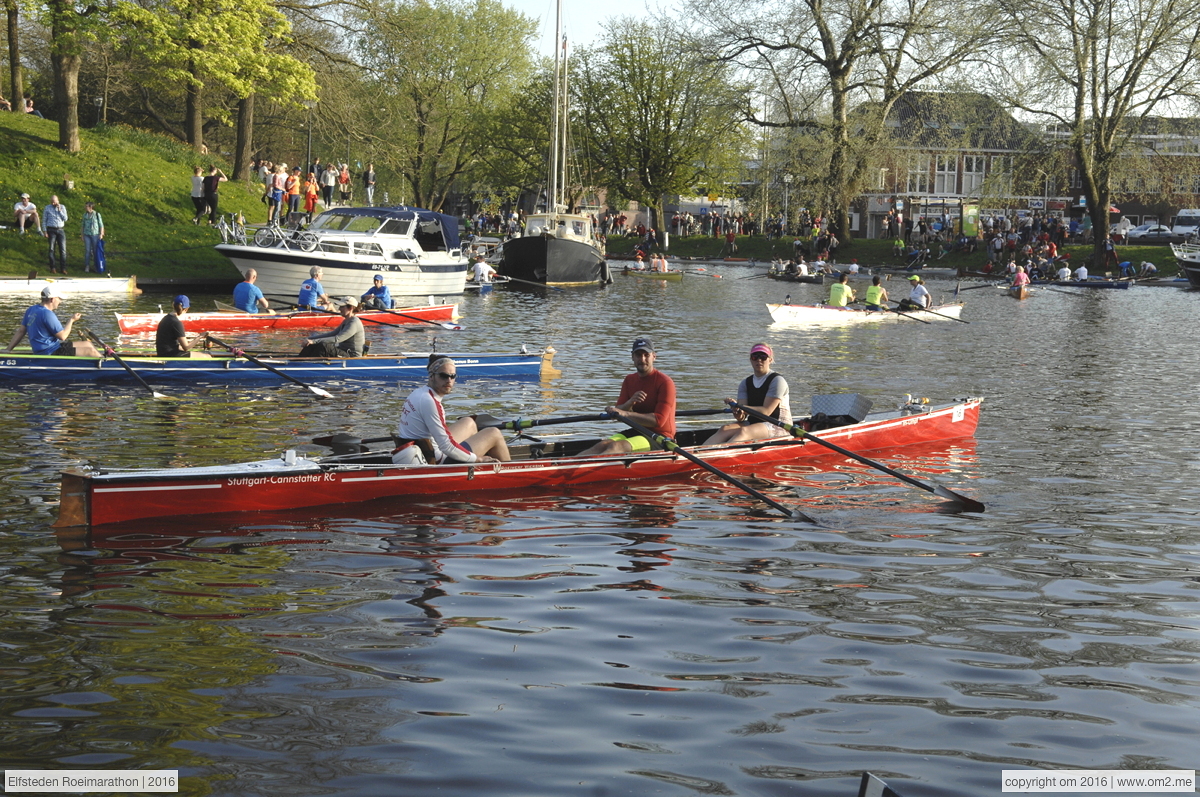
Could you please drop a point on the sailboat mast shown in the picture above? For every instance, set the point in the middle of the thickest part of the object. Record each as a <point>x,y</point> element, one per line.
<point>565,124</point>
<point>552,192</point>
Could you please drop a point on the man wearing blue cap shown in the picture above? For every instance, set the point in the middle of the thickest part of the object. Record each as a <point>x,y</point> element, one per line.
<point>170,339</point>
<point>377,297</point>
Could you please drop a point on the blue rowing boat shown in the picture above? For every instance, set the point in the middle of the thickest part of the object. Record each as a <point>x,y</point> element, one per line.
<point>223,367</point>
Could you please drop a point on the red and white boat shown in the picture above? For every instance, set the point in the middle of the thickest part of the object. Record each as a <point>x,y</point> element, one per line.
<point>95,497</point>
<point>136,323</point>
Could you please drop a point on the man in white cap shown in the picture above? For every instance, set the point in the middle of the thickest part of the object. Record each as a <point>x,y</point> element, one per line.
<point>25,211</point>
<point>345,341</point>
<point>47,335</point>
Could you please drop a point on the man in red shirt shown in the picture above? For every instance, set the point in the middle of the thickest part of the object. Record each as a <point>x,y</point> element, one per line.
<point>647,398</point>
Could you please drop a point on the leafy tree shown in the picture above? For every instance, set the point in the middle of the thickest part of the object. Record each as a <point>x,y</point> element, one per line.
<point>821,63</point>
<point>236,45</point>
<point>432,92</point>
<point>656,119</point>
<point>1097,71</point>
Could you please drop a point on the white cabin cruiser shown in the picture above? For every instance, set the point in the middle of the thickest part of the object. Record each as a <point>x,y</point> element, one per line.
<point>417,251</point>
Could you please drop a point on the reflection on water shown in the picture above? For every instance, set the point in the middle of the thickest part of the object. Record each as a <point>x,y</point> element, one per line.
<point>654,637</point>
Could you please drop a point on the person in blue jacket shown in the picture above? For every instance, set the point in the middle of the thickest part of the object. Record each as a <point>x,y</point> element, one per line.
<point>48,335</point>
<point>248,297</point>
<point>312,294</point>
<point>377,297</point>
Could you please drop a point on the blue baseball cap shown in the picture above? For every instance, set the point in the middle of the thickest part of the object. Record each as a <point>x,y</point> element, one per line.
<point>378,277</point>
<point>183,301</point>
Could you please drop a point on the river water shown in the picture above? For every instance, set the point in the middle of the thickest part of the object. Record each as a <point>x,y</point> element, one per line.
<point>651,638</point>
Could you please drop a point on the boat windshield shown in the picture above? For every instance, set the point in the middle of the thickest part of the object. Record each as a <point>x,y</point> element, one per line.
<point>396,227</point>
<point>343,222</point>
<point>535,225</point>
<point>561,227</point>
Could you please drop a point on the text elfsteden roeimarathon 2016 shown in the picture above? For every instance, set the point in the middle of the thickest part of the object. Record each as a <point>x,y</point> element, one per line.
<point>91,780</point>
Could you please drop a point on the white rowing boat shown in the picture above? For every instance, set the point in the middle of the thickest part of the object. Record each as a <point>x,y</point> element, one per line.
<point>70,286</point>
<point>820,315</point>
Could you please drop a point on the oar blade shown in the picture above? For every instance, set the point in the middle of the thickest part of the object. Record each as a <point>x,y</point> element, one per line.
<point>319,391</point>
<point>967,504</point>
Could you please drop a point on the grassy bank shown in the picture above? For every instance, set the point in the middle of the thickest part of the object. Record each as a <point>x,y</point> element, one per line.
<point>876,252</point>
<point>141,184</point>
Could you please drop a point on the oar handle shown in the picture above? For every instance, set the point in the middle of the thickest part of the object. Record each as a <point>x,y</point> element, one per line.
<point>674,447</point>
<point>799,431</point>
<point>108,350</point>
<point>242,353</point>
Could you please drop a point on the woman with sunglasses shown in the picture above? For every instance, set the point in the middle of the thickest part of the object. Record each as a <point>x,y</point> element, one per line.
<point>765,391</point>
<point>423,437</point>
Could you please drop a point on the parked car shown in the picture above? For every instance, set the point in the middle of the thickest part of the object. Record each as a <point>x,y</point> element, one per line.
<point>1152,234</point>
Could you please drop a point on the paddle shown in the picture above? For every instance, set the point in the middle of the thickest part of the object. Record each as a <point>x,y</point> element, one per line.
<point>675,448</point>
<point>241,353</point>
<point>108,351</point>
<point>969,504</point>
<point>977,287</point>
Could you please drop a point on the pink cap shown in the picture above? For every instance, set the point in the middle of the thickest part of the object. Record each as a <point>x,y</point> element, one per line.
<point>764,348</point>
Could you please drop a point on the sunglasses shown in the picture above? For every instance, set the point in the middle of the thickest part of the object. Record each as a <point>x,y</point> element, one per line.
<point>758,355</point>
<point>447,377</point>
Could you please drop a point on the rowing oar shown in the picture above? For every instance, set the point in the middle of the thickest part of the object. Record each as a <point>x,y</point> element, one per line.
<point>906,315</point>
<point>1059,290</point>
<point>485,421</point>
<point>943,315</point>
<point>242,353</point>
<point>534,284</point>
<point>373,320</point>
<point>969,504</point>
<point>452,327</point>
<point>977,287</point>
<point>442,324</point>
<point>108,351</point>
<point>675,448</point>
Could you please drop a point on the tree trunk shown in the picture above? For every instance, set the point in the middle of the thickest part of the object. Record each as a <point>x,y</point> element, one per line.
<point>14,56</point>
<point>245,139</point>
<point>66,97</point>
<point>193,117</point>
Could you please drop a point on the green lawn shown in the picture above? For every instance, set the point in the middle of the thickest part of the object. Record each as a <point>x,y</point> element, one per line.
<point>141,185</point>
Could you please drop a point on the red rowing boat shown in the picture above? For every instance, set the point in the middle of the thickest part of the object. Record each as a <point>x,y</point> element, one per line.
<point>134,323</point>
<point>98,497</point>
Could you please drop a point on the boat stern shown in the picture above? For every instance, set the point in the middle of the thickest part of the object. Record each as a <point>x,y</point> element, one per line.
<point>74,499</point>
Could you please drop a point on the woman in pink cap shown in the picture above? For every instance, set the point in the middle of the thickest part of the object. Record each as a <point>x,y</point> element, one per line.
<point>765,391</point>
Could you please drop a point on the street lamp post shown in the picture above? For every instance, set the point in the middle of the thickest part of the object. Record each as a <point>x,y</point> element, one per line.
<point>99,102</point>
<point>787,184</point>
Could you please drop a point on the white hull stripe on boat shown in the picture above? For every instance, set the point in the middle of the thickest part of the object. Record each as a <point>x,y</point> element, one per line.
<point>157,489</point>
